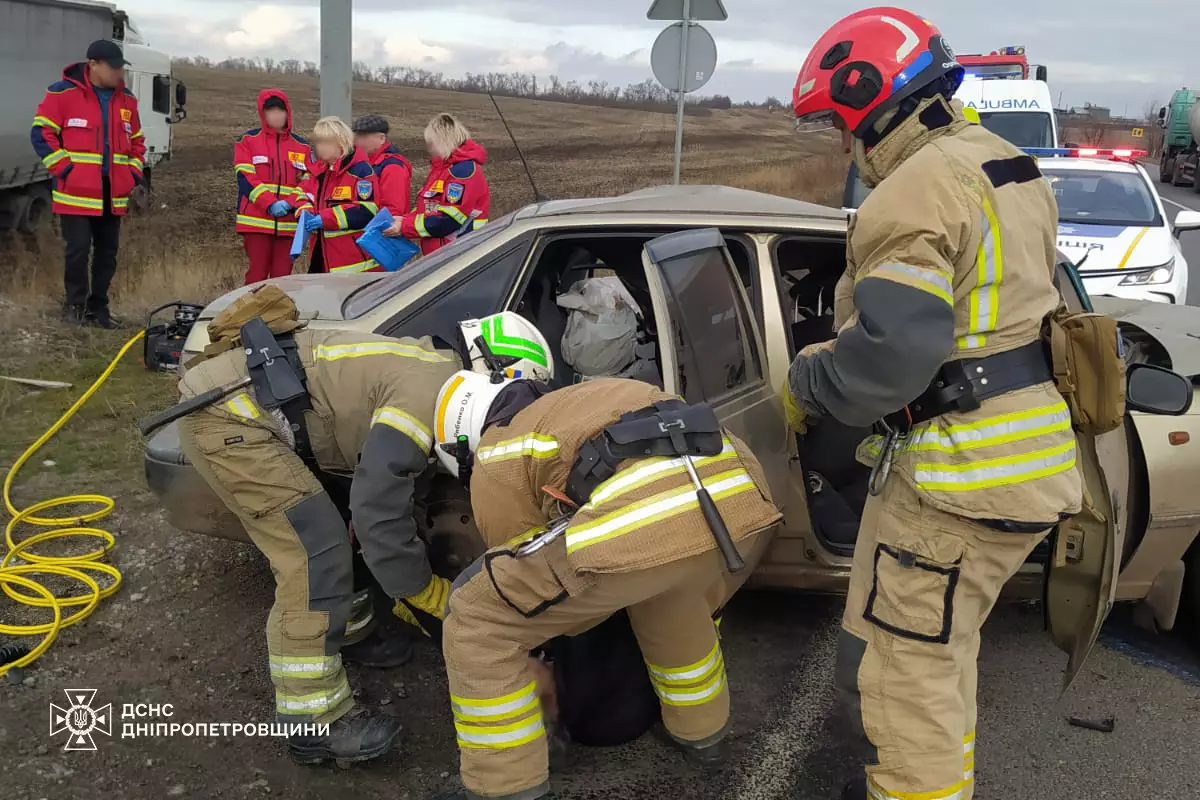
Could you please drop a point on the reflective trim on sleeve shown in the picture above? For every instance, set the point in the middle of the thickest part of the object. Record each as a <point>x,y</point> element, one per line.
<point>478,223</point>
<point>128,161</point>
<point>325,352</point>
<point>314,703</point>
<point>120,202</point>
<point>53,158</point>
<point>985,297</point>
<point>534,445</point>
<point>137,135</point>
<point>93,203</point>
<point>249,169</point>
<point>992,472</point>
<point>406,423</point>
<point>454,214</point>
<point>654,509</point>
<point>509,706</point>
<point>47,123</point>
<point>372,207</point>
<point>419,224</point>
<point>257,222</point>
<point>1000,429</point>
<point>258,191</point>
<point>289,191</point>
<point>927,280</point>
<point>650,470</point>
<point>340,216</point>
<point>240,405</point>
<point>306,667</point>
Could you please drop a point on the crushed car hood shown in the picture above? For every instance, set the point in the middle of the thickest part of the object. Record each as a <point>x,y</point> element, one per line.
<point>1176,328</point>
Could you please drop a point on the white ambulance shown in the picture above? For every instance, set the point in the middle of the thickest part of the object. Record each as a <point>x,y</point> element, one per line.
<point>1020,111</point>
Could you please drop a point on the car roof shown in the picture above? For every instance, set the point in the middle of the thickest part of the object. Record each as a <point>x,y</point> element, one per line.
<point>1091,164</point>
<point>694,199</point>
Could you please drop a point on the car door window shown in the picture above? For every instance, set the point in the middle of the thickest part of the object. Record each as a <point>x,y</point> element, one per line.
<point>717,351</point>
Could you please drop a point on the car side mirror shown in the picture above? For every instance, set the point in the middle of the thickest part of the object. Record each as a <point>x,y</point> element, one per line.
<point>180,95</point>
<point>1162,113</point>
<point>1186,221</point>
<point>1157,390</point>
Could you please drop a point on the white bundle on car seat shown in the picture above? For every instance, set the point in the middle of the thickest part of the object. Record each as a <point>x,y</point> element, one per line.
<point>601,335</point>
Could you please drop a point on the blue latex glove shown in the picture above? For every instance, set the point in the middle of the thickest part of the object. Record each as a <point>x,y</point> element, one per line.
<point>280,208</point>
<point>313,222</point>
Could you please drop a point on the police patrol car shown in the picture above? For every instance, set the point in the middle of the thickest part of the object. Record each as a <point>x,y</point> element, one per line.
<point>1112,224</point>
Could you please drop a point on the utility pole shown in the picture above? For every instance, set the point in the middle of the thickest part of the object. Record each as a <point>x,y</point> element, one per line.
<point>336,58</point>
<point>682,88</point>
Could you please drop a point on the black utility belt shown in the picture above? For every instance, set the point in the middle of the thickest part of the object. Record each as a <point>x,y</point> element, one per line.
<point>964,384</point>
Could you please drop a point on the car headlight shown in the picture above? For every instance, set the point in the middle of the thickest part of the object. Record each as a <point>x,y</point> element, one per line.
<point>1150,277</point>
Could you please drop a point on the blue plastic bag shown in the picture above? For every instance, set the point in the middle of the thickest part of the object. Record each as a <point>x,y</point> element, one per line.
<point>392,253</point>
<point>301,238</point>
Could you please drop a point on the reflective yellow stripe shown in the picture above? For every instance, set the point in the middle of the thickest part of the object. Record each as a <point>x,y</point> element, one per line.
<point>79,202</point>
<point>697,672</point>
<point>985,297</point>
<point>137,135</point>
<point>1133,246</point>
<point>374,209</point>
<point>47,122</point>
<point>650,470</point>
<point>54,158</point>
<point>289,227</point>
<point>1005,471</point>
<point>314,703</point>
<point>120,202</point>
<point>927,280</point>
<point>286,191</point>
<point>340,216</point>
<point>84,157</point>
<point>501,737</point>
<point>952,792</point>
<point>305,667</point>
<point>508,706</point>
<point>1000,429</point>
<point>255,222</point>
<point>477,224</point>
<point>241,406</point>
<point>699,694</point>
<point>249,169</point>
<point>324,352</point>
<point>419,224</point>
<point>406,423</point>
<point>129,161</point>
<point>336,234</point>
<point>361,266</point>
<point>655,509</point>
<point>534,445</point>
<point>454,214</point>
<point>258,191</point>
<point>354,626</point>
<point>524,536</point>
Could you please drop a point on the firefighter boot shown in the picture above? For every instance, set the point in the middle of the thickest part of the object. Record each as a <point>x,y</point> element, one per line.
<point>710,757</point>
<point>383,649</point>
<point>357,736</point>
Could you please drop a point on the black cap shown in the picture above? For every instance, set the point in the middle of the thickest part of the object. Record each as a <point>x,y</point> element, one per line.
<point>371,123</point>
<point>274,101</point>
<point>108,52</point>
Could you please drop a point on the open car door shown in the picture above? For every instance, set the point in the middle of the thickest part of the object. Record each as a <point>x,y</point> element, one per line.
<point>711,349</point>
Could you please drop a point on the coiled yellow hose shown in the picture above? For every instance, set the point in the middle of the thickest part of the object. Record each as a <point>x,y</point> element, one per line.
<point>75,567</point>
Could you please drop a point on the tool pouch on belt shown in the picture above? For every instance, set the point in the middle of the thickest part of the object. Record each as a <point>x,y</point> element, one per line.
<point>1087,356</point>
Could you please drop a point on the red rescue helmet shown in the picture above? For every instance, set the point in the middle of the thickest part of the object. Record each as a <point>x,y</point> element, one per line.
<point>867,64</point>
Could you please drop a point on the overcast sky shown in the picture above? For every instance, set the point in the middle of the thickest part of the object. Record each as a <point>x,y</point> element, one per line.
<point>1125,58</point>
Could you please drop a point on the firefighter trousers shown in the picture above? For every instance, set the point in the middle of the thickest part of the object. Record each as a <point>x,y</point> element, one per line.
<point>922,585</point>
<point>510,606</point>
<point>291,519</point>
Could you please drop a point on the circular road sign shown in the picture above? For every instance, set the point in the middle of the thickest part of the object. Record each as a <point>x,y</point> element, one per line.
<point>701,57</point>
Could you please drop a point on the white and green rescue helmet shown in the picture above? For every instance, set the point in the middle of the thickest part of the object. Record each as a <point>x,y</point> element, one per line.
<point>461,410</point>
<point>517,345</point>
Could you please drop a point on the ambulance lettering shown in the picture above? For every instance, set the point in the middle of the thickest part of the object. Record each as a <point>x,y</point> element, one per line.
<point>1011,104</point>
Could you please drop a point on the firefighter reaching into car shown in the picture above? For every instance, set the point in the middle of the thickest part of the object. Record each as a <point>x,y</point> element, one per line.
<point>359,405</point>
<point>587,498</point>
<point>939,320</point>
<point>455,198</point>
<point>271,161</point>
<point>340,196</point>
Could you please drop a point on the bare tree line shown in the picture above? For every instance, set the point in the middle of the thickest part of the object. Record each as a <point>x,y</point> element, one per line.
<point>648,94</point>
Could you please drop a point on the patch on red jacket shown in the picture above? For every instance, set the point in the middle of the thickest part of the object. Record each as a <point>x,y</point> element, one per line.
<point>363,189</point>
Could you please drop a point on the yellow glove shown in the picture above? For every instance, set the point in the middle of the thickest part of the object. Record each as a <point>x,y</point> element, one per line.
<point>427,607</point>
<point>792,410</point>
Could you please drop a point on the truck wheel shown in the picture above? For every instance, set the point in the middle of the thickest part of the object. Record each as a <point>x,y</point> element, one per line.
<point>1166,169</point>
<point>1177,178</point>
<point>36,209</point>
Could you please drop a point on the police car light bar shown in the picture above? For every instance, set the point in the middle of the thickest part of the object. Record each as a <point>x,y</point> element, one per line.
<point>1120,154</point>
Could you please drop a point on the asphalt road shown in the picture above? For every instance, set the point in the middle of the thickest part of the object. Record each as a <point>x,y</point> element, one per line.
<point>1177,198</point>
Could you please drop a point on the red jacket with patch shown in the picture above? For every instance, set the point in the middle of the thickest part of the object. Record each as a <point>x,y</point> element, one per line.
<point>345,197</point>
<point>68,135</point>
<point>454,200</point>
<point>270,166</point>
<point>395,180</point>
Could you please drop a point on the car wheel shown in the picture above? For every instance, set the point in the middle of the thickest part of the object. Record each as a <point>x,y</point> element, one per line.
<point>1189,603</point>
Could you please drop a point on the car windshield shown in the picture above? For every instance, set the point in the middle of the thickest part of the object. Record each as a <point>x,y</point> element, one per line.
<point>1099,197</point>
<point>996,71</point>
<point>1022,128</point>
<point>371,296</point>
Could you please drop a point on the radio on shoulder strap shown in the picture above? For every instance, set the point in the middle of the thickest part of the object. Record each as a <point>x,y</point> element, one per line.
<point>277,375</point>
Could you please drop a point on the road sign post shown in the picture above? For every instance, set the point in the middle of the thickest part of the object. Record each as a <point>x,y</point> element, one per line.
<point>683,67</point>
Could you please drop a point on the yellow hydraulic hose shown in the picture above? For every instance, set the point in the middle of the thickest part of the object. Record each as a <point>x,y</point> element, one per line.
<point>75,567</point>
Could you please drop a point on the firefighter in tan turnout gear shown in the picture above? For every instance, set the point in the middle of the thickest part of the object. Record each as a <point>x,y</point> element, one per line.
<point>577,532</point>
<point>366,410</point>
<point>949,277</point>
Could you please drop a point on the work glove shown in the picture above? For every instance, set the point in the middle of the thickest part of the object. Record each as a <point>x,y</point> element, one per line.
<point>313,222</point>
<point>796,416</point>
<point>426,609</point>
<point>280,208</point>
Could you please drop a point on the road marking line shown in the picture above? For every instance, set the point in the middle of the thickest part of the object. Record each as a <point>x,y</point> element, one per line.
<point>1174,203</point>
<point>784,743</point>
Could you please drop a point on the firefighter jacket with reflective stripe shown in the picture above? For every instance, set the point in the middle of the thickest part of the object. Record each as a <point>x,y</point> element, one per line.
<point>951,257</point>
<point>68,135</point>
<point>270,165</point>
<point>454,200</point>
<point>395,180</point>
<point>345,197</point>
<point>644,516</point>
<point>373,400</point>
